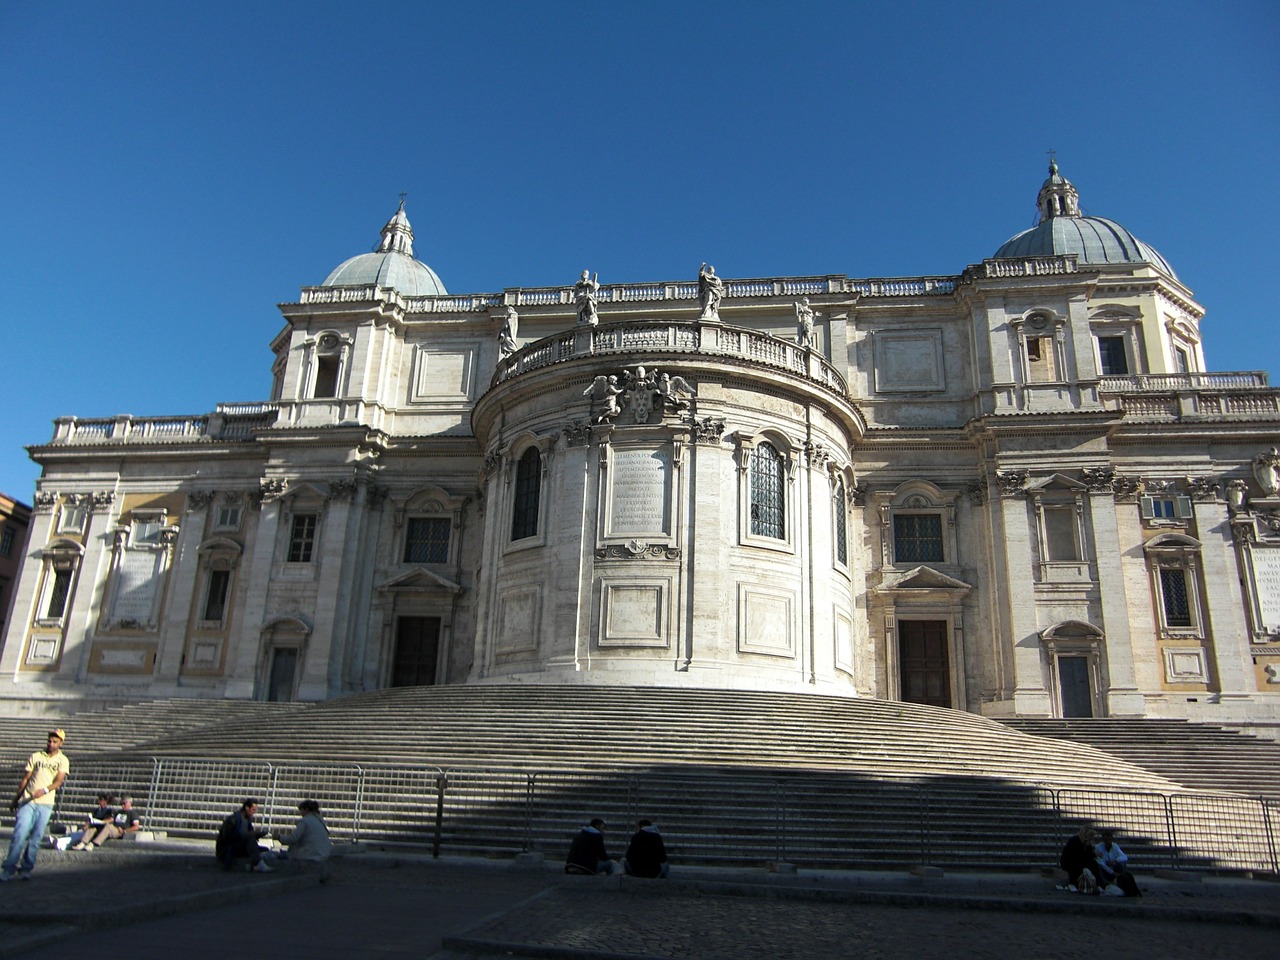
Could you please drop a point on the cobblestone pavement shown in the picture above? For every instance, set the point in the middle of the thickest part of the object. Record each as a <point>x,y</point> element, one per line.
<point>388,907</point>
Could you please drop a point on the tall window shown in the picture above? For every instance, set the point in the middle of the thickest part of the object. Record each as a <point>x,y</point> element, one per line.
<point>1112,355</point>
<point>1061,535</point>
<point>524,515</point>
<point>302,538</point>
<point>768,493</point>
<point>326,377</point>
<point>1041,366</point>
<point>841,532</point>
<point>917,538</point>
<point>58,593</point>
<point>427,540</point>
<point>215,601</point>
<point>6,541</point>
<point>1177,602</point>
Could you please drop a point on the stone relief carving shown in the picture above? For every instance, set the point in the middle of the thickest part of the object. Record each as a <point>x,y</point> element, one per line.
<point>1237,495</point>
<point>816,453</point>
<point>603,393</point>
<point>710,293</point>
<point>1011,482</point>
<point>635,550</point>
<point>804,323</point>
<point>858,494</point>
<point>1158,486</point>
<point>708,430</point>
<point>577,433</point>
<point>270,488</point>
<point>1266,470</point>
<point>342,489</point>
<point>103,498</point>
<point>492,463</point>
<point>507,335</point>
<point>977,490</point>
<point>585,293</point>
<point>1125,489</point>
<point>199,499</point>
<point>375,496</point>
<point>1273,672</point>
<point>45,501</point>
<point>1098,479</point>
<point>670,390</point>
<point>1203,489</point>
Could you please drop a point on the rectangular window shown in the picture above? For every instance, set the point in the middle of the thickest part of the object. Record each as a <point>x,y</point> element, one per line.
<point>841,530</point>
<point>73,517</point>
<point>146,531</point>
<point>227,518</point>
<point>6,542</point>
<point>1040,363</point>
<point>1112,355</point>
<point>215,601</point>
<point>1182,360</point>
<point>1162,508</point>
<point>427,540</point>
<point>917,538</point>
<point>326,377</point>
<point>58,593</point>
<point>302,538</point>
<point>1061,540</point>
<point>1177,604</point>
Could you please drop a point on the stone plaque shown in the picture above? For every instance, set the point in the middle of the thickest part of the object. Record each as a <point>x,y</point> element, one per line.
<point>138,580</point>
<point>1266,584</point>
<point>638,501</point>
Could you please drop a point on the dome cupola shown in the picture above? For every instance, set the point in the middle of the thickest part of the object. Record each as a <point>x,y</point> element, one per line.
<point>1063,230</point>
<point>391,264</point>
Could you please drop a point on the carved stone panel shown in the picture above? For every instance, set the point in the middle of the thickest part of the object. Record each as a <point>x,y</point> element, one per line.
<point>639,492</point>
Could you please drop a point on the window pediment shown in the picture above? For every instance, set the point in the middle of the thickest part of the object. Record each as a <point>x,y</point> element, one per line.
<point>923,579</point>
<point>419,581</point>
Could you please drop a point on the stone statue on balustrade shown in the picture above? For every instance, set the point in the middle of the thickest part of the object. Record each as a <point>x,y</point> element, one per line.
<point>585,293</point>
<point>603,393</point>
<point>1266,470</point>
<point>710,293</point>
<point>804,324</point>
<point>507,335</point>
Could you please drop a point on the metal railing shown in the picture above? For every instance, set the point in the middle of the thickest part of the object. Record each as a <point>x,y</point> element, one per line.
<point>835,821</point>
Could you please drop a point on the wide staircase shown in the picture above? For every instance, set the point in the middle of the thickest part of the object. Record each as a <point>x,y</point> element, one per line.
<point>731,776</point>
<point>1200,756</point>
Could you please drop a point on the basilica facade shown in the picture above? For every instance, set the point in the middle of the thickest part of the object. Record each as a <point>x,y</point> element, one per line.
<point>1014,491</point>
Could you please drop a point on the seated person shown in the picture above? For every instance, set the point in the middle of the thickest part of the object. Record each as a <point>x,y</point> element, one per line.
<point>646,854</point>
<point>1114,863</point>
<point>126,820</point>
<point>309,839</point>
<point>238,839</point>
<point>587,854</point>
<point>1079,862</point>
<point>101,814</point>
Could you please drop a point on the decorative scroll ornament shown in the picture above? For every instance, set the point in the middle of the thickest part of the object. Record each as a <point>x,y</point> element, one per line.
<point>635,550</point>
<point>492,463</point>
<point>45,501</point>
<point>858,494</point>
<point>342,489</point>
<point>1266,470</point>
<point>1011,482</point>
<point>1237,495</point>
<point>977,490</point>
<point>708,430</point>
<point>816,453</point>
<point>199,499</point>
<point>1125,489</point>
<point>1203,489</point>
<point>577,433</point>
<point>103,498</point>
<point>1098,479</point>
<point>271,488</point>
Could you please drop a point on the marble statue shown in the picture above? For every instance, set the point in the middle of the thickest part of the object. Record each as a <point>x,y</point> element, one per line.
<point>804,323</point>
<point>670,392</point>
<point>507,335</point>
<point>604,398</point>
<point>710,293</point>
<point>585,292</point>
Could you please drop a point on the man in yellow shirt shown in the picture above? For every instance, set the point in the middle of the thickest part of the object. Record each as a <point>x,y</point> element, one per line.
<point>33,804</point>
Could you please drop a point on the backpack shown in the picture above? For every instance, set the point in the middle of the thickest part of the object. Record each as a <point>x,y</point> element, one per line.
<point>223,845</point>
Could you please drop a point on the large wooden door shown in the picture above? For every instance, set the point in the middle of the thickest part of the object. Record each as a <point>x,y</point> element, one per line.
<point>923,663</point>
<point>1074,686</point>
<point>417,649</point>
<point>284,664</point>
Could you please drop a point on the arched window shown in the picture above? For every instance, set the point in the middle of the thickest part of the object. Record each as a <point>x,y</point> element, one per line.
<point>524,515</point>
<point>840,507</point>
<point>768,493</point>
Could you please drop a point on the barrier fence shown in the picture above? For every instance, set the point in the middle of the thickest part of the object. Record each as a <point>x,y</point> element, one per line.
<point>836,821</point>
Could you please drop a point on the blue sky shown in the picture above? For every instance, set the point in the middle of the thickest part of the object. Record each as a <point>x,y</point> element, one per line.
<point>170,172</point>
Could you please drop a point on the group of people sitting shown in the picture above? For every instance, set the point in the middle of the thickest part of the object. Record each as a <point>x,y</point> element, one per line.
<point>1096,864</point>
<point>646,853</point>
<point>308,842</point>
<point>104,822</point>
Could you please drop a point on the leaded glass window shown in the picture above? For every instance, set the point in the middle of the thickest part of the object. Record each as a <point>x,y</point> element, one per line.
<point>58,593</point>
<point>842,547</point>
<point>427,540</point>
<point>768,493</point>
<point>917,538</point>
<point>1177,604</point>
<point>524,515</point>
<point>302,538</point>
<point>215,601</point>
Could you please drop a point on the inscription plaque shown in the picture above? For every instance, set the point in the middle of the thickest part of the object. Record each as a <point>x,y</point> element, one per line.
<point>136,587</point>
<point>641,480</point>
<point>1266,581</point>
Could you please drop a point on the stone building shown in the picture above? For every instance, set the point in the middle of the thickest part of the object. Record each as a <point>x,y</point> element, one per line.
<point>15,517</point>
<point>1012,491</point>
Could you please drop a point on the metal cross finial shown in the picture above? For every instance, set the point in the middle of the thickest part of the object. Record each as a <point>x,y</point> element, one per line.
<point>402,196</point>
<point>1052,155</point>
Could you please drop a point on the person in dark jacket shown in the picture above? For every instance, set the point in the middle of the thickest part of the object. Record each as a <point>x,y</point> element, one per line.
<point>646,854</point>
<point>587,854</point>
<point>238,838</point>
<point>1079,862</point>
